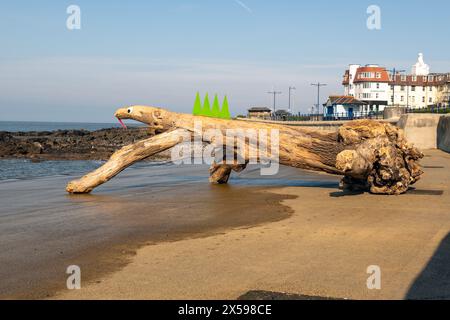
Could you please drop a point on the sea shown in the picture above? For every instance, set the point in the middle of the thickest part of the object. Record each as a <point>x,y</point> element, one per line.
<point>19,169</point>
<point>16,126</point>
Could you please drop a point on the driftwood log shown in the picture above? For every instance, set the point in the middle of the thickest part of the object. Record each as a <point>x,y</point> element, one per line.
<point>370,155</point>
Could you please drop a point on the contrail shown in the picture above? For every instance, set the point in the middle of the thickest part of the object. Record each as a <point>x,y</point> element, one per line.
<point>243,5</point>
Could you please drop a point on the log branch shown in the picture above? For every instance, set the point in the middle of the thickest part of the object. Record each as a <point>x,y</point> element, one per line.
<point>124,158</point>
<point>371,155</point>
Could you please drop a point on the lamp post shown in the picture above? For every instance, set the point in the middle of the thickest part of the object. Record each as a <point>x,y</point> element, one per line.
<point>318,85</point>
<point>290,89</point>
<point>274,98</point>
<point>394,74</point>
<point>448,92</point>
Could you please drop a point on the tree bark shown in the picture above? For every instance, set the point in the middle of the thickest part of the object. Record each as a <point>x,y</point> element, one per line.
<point>124,158</point>
<point>371,155</point>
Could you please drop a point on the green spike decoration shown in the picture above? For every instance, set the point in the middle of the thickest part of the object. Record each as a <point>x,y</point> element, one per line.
<point>216,108</point>
<point>225,113</point>
<point>206,110</point>
<point>197,111</point>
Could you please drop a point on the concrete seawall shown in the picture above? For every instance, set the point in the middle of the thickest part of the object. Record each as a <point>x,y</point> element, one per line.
<point>420,129</point>
<point>443,133</point>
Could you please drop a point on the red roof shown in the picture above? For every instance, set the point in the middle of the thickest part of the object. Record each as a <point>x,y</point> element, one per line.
<point>383,75</point>
<point>345,100</point>
<point>367,74</point>
<point>430,80</point>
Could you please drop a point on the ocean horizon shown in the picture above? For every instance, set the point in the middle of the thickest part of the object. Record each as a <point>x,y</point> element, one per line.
<point>24,126</point>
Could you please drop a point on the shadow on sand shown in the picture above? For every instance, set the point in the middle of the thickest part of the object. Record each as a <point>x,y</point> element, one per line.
<point>434,281</point>
<point>345,193</point>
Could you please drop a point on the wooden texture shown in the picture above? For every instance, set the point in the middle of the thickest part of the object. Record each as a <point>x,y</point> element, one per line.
<point>124,158</point>
<point>371,155</point>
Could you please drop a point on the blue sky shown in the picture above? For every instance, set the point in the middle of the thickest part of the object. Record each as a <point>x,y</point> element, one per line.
<point>162,52</point>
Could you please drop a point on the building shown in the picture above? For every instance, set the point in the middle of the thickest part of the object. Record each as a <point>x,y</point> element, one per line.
<point>339,107</point>
<point>369,84</point>
<point>259,113</point>
<point>282,114</point>
<point>380,88</point>
<point>420,89</point>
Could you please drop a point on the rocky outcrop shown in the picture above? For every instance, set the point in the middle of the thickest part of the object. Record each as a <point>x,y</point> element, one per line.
<point>68,144</point>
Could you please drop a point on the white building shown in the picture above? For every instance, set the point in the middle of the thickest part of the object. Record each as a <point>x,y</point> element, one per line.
<point>344,107</point>
<point>380,88</point>
<point>369,84</point>
<point>420,89</point>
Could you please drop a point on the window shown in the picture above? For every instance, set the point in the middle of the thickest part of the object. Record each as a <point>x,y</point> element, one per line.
<point>430,100</point>
<point>413,99</point>
<point>402,88</point>
<point>378,75</point>
<point>368,75</point>
<point>378,86</point>
<point>392,99</point>
<point>367,85</point>
<point>414,78</point>
<point>431,89</point>
<point>423,99</point>
<point>413,88</point>
<point>377,96</point>
<point>402,98</point>
<point>392,88</point>
<point>425,79</point>
<point>424,88</point>
<point>403,78</point>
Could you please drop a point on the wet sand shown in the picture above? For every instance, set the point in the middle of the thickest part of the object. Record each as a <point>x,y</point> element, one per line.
<point>43,230</point>
<point>322,250</point>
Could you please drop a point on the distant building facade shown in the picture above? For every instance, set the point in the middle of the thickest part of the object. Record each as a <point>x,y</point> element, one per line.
<point>282,114</point>
<point>369,84</point>
<point>380,88</point>
<point>259,113</point>
<point>344,107</point>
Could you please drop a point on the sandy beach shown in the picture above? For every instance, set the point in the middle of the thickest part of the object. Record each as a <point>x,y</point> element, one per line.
<point>323,249</point>
<point>43,230</point>
<point>171,235</point>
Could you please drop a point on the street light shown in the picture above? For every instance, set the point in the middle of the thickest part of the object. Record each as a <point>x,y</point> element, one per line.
<point>274,98</point>
<point>318,85</point>
<point>447,93</point>
<point>394,73</point>
<point>290,89</point>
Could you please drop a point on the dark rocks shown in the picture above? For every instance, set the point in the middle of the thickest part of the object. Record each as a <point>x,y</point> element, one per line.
<point>68,144</point>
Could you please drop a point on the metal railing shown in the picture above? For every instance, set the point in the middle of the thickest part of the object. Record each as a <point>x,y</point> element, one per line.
<point>430,109</point>
<point>376,115</point>
<point>330,116</point>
